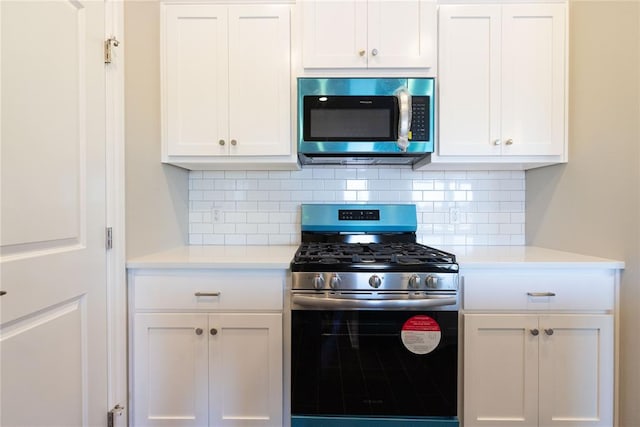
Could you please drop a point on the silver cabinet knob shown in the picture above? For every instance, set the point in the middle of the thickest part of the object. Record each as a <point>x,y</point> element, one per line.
<point>497,142</point>
<point>234,142</point>
<point>414,281</point>
<point>221,142</point>
<point>509,141</point>
<point>375,281</point>
<point>374,52</point>
<point>534,332</point>
<point>548,331</point>
<point>199,331</point>
<point>361,52</point>
<point>213,331</point>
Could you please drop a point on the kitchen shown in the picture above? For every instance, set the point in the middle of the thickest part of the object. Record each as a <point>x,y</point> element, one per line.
<point>567,207</point>
<point>161,200</point>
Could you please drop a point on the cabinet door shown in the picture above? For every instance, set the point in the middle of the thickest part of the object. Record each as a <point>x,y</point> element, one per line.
<point>246,370</point>
<point>576,370</point>
<point>401,33</point>
<point>170,369</point>
<point>500,370</point>
<point>533,79</point>
<point>469,107</point>
<point>195,79</point>
<point>259,80</point>
<point>334,34</point>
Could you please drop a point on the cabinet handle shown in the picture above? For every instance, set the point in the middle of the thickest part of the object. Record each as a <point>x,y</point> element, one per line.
<point>534,332</point>
<point>361,52</point>
<point>221,142</point>
<point>541,294</point>
<point>374,52</point>
<point>207,294</point>
<point>199,331</point>
<point>509,141</point>
<point>213,331</point>
<point>548,331</point>
<point>3,293</point>
<point>497,142</point>
<point>234,142</point>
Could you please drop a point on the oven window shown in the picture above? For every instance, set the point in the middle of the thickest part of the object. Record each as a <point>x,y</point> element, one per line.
<point>356,363</point>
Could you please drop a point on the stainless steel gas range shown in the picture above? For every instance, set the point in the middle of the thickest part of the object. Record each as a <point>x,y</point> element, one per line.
<point>374,321</point>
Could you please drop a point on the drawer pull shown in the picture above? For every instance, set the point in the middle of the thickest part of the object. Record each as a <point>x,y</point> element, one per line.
<point>534,332</point>
<point>207,294</point>
<point>199,331</point>
<point>541,294</point>
<point>213,331</point>
<point>548,331</point>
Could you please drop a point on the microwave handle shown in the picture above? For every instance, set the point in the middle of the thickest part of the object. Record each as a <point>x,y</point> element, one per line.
<point>404,120</point>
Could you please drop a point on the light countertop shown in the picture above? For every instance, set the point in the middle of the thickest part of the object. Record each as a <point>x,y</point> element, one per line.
<point>218,257</point>
<point>279,257</point>
<point>526,256</point>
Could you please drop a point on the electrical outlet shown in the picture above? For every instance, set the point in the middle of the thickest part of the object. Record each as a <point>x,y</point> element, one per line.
<point>217,215</point>
<point>454,216</point>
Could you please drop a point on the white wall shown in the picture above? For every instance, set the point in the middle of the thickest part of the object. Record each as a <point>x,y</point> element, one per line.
<point>592,204</point>
<point>156,194</point>
<point>254,207</point>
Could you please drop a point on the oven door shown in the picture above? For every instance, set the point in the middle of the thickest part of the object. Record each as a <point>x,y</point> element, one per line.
<point>374,368</point>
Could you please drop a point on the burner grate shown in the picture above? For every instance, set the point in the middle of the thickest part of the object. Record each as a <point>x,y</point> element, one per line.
<point>371,253</point>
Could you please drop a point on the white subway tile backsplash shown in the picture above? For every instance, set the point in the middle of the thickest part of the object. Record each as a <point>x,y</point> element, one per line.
<point>263,207</point>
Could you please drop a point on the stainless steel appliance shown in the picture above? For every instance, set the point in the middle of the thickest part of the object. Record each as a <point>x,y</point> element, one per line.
<point>374,321</point>
<point>365,120</point>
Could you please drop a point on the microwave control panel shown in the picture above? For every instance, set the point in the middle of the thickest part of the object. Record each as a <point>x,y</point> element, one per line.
<point>419,118</point>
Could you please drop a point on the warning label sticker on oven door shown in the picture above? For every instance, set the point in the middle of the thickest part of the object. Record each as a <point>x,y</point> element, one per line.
<point>420,334</point>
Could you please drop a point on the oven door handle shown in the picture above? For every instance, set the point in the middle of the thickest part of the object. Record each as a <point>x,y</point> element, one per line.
<point>347,303</point>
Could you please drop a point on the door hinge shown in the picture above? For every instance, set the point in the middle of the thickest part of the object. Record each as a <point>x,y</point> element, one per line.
<point>109,238</point>
<point>117,410</point>
<point>108,45</point>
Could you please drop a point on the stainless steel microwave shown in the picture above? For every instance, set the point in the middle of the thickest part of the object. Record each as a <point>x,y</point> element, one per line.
<point>365,120</point>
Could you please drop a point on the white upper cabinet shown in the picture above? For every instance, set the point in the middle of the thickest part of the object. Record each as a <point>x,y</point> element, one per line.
<point>369,34</point>
<point>502,81</point>
<point>226,88</point>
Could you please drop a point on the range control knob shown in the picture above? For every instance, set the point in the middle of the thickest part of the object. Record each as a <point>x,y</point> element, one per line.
<point>335,281</point>
<point>432,282</point>
<point>414,281</point>
<point>375,281</point>
<point>318,281</point>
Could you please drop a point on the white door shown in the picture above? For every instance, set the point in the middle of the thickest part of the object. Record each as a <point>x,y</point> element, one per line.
<point>470,39</point>
<point>245,384</point>
<point>170,370</point>
<point>259,101</point>
<point>500,370</point>
<point>576,370</point>
<point>401,34</point>
<point>53,341</point>
<point>334,34</point>
<point>533,79</point>
<point>195,79</point>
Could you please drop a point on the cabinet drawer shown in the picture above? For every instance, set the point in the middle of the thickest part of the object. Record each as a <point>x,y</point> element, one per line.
<point>539,290</point>
<point>208,290</point>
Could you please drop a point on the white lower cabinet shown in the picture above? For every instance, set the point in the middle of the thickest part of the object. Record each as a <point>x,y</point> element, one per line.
<point>197,369</point>
<point>538,370</point>
<point>549,360</point>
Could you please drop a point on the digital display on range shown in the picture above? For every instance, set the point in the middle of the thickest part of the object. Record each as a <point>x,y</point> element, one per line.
<point>359,215</point>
